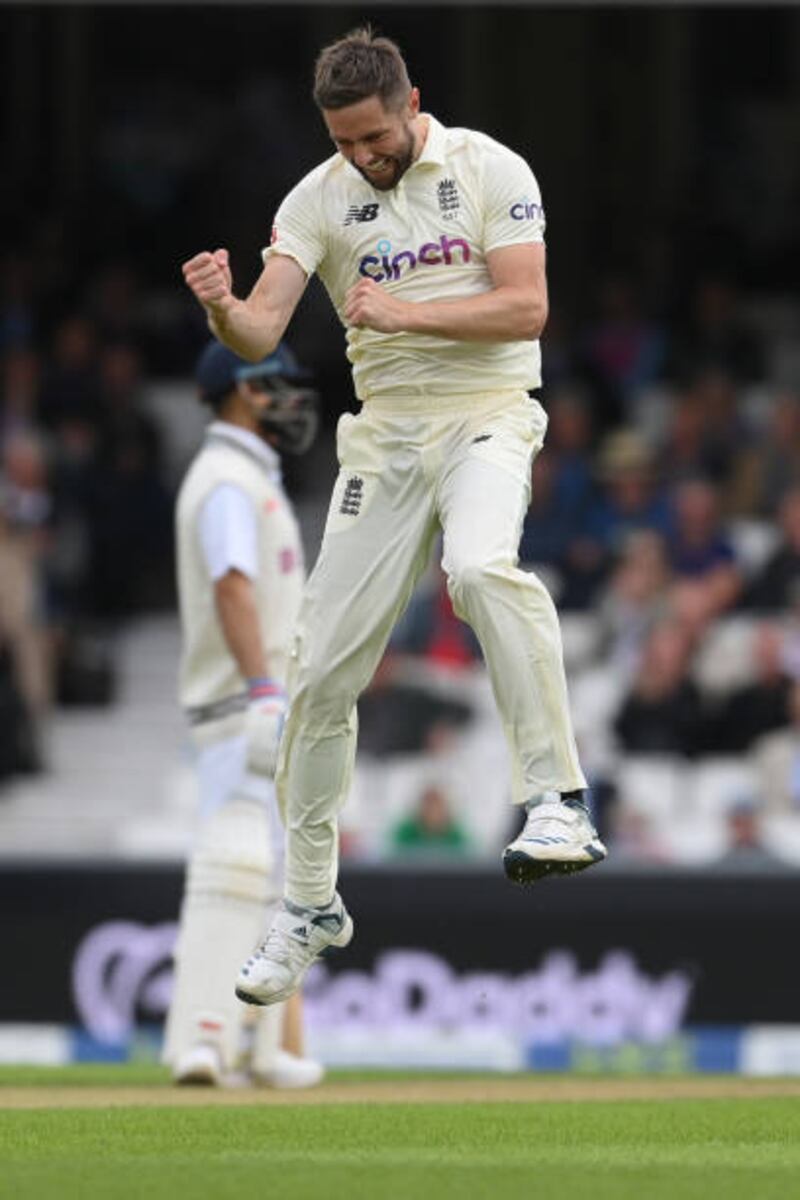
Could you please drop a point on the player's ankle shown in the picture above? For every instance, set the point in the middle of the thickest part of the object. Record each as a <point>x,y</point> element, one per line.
<point>576,799</point>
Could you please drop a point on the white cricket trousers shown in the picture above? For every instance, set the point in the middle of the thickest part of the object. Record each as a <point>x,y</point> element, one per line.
<point>410,466</point>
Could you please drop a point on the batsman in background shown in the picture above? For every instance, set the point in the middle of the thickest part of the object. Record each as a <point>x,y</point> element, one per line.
<point>430,242</point>
<point>240,578</point>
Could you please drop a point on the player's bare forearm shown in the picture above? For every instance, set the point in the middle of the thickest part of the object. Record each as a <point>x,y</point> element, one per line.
<point>235,598</point>
<point>253,327</point>
<point>501,315</point>
<point>249,330</point>
<point>504,314</point>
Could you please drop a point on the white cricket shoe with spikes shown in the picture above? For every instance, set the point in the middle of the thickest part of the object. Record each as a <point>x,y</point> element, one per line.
<point>297,936</point>
<point>557,839</point>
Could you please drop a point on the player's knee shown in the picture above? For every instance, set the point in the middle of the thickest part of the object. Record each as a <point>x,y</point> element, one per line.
<point>466,577</point>
<point>322,702</point>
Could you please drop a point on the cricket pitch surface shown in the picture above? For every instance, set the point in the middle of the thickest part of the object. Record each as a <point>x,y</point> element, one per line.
<point>406,1090</point>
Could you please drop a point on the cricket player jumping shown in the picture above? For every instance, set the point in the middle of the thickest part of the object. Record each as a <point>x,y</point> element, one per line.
<point>430,244</point>
<point>240,578</point>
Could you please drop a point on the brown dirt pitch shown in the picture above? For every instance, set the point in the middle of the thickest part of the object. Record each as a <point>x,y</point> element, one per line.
<point>422,1090</point>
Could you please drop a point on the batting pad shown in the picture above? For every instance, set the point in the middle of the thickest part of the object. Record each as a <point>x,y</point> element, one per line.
<point>230,891</point>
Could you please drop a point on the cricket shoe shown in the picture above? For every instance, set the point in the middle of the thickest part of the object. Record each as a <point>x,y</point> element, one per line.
<point>297,936</point>
<point>557,839</point>
<point>199,1066</point>
<point>292,1071</point>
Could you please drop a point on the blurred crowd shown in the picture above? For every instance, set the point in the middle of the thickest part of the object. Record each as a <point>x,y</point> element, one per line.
<point>85,502</point>
<point>664,516</point>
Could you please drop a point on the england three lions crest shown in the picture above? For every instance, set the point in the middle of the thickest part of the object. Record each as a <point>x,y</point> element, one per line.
<point>449,200</point>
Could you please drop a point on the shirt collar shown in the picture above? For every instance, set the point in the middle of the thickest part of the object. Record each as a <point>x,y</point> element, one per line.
<point>250,442</point>
<point>433,149</point>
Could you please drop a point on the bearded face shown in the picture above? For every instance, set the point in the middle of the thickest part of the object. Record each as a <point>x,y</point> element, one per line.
<point>379,142</point>
<point>387,171</point>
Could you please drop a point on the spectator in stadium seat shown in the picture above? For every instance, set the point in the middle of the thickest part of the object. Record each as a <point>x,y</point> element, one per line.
<point>26,492</point>
<point>632,495</point>
<point>663,711</point>
<point>768,466</point>
<point>707,577</point>
<point>773,586</point>
<point>630,499</point>
<point>716,393</point>
<point>19,394</point>
<point>635,598</point>
<point>746,851</point>
<point>757,708</point>
<point>635,838</point>
<point>697,441</point>
<point>431,828</point>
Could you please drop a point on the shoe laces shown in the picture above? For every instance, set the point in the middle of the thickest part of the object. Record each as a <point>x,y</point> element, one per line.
<point>550,820</point>
<point>278,946</point>
<point>283,943</point>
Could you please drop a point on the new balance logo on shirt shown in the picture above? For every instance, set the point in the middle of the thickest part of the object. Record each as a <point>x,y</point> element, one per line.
<point>360,213</point>
<point>353,495</point>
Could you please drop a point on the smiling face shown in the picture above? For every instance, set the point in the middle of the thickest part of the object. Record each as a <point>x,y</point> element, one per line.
<point>380,142</point>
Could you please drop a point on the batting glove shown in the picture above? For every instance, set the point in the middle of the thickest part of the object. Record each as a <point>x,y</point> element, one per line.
<point>266,714</point>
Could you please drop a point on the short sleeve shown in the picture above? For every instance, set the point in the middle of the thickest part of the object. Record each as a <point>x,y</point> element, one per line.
<point>229,532</point>
<point>513,213</point>
<point>297,231</point>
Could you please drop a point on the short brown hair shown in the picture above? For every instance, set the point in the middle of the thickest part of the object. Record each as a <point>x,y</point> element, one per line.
<point>358,66</point>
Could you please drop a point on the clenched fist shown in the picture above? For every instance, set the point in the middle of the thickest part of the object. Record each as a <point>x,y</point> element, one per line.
<point>209,277</point>
<point>369,305</point>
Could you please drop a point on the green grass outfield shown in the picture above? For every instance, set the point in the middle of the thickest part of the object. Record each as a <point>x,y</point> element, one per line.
<point>709,1148</point>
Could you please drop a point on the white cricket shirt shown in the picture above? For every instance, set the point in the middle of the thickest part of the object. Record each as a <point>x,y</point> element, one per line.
<point>426,239</point>
<point>228,521</point>
<point>229,532</point>
<point>232,461</point>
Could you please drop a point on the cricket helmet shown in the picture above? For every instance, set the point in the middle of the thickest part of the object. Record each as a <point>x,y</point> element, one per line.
<point>291,419</point>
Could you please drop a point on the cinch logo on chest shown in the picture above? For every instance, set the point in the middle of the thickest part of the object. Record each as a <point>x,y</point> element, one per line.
<point>353,495</point>
<point>430,254</point>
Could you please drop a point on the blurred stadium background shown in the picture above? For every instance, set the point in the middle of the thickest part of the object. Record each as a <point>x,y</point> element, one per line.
<point>665,517</point>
